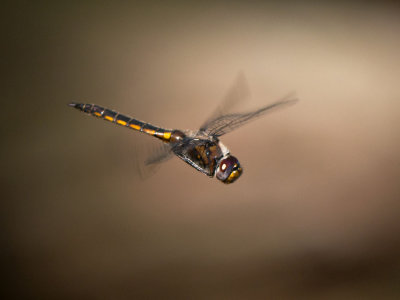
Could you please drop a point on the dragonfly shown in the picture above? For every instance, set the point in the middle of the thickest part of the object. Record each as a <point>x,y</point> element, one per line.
<point>202,148</point>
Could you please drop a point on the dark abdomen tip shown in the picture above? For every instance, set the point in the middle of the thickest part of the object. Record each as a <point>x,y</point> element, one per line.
<point>76,105</point>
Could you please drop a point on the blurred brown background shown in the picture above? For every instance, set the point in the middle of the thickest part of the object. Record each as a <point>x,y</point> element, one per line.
<point>315,214</point>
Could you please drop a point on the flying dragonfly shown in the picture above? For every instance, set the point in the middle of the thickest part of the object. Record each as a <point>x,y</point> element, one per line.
<point>202,149</point>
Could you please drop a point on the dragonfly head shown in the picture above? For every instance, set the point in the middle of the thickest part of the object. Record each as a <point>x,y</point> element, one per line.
<point>229,169</point>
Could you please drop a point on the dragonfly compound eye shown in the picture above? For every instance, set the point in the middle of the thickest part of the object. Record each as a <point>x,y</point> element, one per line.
<point>229,169</point>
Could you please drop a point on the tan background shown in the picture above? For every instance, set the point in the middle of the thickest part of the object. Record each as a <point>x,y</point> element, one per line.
<point>316,211</point>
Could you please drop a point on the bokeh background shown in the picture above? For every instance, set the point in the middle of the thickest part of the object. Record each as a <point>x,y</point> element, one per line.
<point>316,212</point>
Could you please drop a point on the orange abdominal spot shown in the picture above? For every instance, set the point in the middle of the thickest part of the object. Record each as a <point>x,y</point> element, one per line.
<point>108,118</point>
<point>137,127</point>
<point>149,131</point>
<point>167,135</point>
<point>120,122</point>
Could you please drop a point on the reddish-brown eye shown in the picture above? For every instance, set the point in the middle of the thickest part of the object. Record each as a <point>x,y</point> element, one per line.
<point>229,169</point>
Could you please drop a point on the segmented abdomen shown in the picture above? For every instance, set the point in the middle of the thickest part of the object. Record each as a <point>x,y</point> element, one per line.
<point>117,118</point>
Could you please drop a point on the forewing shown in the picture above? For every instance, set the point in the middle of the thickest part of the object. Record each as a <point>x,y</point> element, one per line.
<point>226,123</point>
<point>237,93</point>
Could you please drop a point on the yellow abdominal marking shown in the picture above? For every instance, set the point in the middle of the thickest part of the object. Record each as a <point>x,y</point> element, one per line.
<point>137,127</point>
<point>97,114</point>
<point>167,135</point>
<point>149,131</point>
<point>108,118</point>
<point>120,122</point>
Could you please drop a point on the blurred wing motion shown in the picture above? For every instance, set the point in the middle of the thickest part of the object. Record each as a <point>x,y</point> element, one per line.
<point>226,123</point>
<point>236,94</point>
<point>148,157</point>
<point>160,154</point>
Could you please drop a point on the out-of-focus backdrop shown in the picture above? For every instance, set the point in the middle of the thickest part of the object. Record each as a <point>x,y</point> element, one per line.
<point>316,212</point>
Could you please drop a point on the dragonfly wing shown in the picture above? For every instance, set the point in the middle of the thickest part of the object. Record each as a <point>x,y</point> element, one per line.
<point>237,94</point>
<point>226,123</point>
<point>160,154</point>
<point>148,164</point>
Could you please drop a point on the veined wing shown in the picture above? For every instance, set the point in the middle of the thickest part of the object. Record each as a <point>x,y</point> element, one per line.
<point>226,123</point>
<point>237,93</point>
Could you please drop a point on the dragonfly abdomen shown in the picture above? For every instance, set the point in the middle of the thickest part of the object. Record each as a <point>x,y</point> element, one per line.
<point>117,118</point>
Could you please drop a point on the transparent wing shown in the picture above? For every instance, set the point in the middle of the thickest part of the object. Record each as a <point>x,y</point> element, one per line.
<point>237,94</point>
<point>159,154</point>
<point>228,122</point>
<point>149,157</point>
